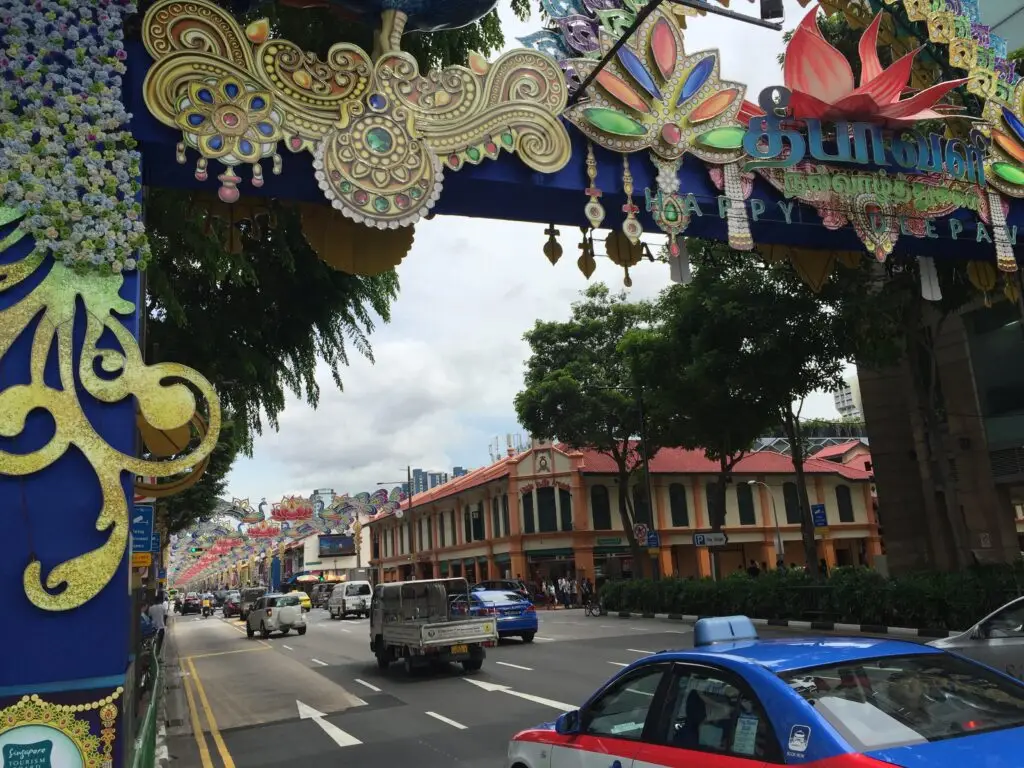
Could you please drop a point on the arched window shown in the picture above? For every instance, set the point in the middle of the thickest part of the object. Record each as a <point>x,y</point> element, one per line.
<point>792,500</point>
<point>641,509</point>
<point>527,507</point>
<point>845,503</point>
<point>677,505</point>
<point>547,514</point>
<point>600,508</point>
<point>565,509</point>
<point>745,502</point>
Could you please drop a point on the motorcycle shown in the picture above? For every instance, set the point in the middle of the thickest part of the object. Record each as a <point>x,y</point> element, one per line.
<point>207,610</point>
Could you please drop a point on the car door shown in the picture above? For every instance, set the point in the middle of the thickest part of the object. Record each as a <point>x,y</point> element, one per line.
<point>256,613</point>
<point>710,718</point>
<point>997,640</point>
<point>613,722</point>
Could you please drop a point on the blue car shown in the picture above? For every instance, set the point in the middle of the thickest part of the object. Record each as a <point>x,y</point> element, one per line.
<point>515,614</point>
<point>735,701</point>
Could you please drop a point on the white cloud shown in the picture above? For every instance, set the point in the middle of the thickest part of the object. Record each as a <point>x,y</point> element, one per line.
<point>451,360</point>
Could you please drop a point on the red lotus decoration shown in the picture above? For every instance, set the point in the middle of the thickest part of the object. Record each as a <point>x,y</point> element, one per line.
<point>292,508</point>
<point>264,530</point>
<point>821,81</point>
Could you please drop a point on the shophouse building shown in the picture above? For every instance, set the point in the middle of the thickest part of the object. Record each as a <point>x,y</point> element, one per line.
<point>550,510</point>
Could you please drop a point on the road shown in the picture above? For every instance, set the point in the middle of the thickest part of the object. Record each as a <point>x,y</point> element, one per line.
<point>311,700</point>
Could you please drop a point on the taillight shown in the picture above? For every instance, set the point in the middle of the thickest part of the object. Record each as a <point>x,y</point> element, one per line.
<point>270,612</point>
<point>530,609</point>
<point>488,612</point>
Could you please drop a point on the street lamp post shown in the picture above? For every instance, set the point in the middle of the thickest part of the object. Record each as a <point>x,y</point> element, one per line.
<point>780,547</point>
<point>408,481</point>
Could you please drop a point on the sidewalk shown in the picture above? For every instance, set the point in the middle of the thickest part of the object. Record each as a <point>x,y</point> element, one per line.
<point>174,720</point>
<point>824,626</point>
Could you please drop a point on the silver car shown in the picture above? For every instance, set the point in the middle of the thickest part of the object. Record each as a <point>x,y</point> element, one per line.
<point>997,640</point>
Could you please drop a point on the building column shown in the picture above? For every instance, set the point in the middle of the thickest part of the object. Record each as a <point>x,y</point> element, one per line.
<point>827,552</point>
<point>704,562</point>
<point>584,562</point>
<point>518,560</point>
<point>580,504</point>
<point>666,561</point>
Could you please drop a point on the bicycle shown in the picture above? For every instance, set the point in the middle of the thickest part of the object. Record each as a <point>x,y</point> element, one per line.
<point>592,607</point>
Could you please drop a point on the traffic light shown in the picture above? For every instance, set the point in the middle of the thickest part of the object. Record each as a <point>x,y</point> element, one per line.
<point>193,550</point>
<point>321,577</point>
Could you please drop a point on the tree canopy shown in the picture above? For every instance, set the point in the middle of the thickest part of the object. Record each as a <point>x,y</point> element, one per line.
<point>579,389</point>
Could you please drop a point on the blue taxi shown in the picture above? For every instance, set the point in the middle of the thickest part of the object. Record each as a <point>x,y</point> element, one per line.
<point>736,701</point>
<point>515,614</point>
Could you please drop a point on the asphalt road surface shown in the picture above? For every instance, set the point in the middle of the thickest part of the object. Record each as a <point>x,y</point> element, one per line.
<point>315,700</point>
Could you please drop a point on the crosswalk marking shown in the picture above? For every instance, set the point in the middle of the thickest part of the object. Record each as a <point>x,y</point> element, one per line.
<point>372,687</point>
<point>447,720</point>
<point>514,666</point>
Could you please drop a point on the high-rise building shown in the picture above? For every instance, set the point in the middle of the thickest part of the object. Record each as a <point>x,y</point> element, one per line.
<point>847,399</point>
<point>435,479</point>
<point>459,471</point>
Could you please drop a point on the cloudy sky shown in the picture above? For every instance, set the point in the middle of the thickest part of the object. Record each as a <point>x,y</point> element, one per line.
<point>451,360</point>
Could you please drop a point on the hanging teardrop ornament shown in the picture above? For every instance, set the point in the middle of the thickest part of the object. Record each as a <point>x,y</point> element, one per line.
<point>278,164</point>
<point>201,172</point>
<point>586,262</point>
<point>631,227</point>
<point>594,211</point>
<point>552,248</point>
<point>257,175</point>
<point>179,153</point>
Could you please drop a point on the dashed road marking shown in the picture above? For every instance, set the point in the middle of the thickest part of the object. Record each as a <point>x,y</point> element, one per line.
<point>544,639</point>
<point>514,666</point>
<point>325,664</point>
<point>637,650</point>
<point>368,685</point>
<point>346,630</point>
<point>287,647</point>
<point>618,664</point>
<point>447,720</point>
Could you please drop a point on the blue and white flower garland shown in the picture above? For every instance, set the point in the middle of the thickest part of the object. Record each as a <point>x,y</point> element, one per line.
<point>67,160</point>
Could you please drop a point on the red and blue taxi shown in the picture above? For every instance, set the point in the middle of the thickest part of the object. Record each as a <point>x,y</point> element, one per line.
<point>736,701</point>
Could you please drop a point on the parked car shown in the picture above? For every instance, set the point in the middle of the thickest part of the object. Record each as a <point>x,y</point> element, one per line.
<point>232,605</point>
<point>321,594</point>
<point>515,614</point>
<point>276,613</point>
<point>249,596</point>
<point>191,604</point>
<point>351,597</point>
<point>996,640</point>
<point>734,700</point>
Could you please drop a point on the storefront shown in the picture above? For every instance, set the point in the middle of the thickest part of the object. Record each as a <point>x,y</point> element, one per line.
<point>550,564</point>
<point>612,560</point>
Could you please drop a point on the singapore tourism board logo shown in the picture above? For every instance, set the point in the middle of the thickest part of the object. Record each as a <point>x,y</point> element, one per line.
<point>38,746</point>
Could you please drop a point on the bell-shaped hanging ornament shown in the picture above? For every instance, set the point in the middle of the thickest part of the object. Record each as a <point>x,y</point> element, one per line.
<point>552,248</point>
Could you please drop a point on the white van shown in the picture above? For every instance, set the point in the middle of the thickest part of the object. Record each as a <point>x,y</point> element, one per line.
<point>350,597</point>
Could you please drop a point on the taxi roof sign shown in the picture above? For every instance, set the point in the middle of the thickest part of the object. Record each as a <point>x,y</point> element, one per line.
<point>723,629</point>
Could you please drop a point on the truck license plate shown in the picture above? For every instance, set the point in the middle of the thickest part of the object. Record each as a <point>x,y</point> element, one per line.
<point>457,649</point>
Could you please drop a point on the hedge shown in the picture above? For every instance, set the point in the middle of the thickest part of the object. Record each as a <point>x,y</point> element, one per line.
<point>931,600</point>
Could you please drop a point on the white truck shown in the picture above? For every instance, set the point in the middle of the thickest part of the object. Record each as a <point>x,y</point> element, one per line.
<point>428,622</point>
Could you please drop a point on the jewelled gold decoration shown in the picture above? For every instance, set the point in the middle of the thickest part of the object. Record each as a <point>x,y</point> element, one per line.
<point>95,751</point>
<point>380,132</point>
<point>593,210</point>
<point>631,227</point>
<point>52,306</point>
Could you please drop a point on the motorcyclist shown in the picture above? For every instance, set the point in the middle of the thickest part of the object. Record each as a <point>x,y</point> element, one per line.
<point>207,605</point>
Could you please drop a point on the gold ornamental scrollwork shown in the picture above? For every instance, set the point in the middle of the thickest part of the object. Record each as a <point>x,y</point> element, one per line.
<point>380,132</point>
<point>107,375</point>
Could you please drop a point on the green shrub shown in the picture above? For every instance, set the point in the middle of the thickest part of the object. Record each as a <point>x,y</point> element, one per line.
<point>929,600</point>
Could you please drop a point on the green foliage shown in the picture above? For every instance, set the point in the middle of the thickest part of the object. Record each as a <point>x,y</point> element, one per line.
<point>931,600</point>
<point>578,386</point>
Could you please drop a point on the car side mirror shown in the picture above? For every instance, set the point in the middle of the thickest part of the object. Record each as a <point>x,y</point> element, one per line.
<point>568,723</point>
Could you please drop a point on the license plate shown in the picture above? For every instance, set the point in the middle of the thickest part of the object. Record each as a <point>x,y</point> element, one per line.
<point>456,649</point>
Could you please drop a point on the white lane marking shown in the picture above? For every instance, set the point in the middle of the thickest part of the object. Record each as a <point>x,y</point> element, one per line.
<point>544,639</point>
<point>340,737</point>
<point>368,685</point>
<point>447,720</point>
<point>287,647</point>
<point>346,630</point>
<point>618,664</point>
<point>678,631</point>
<point>528,696</point>
<point>637,650</point>
<point>514,666</point>
<point>325,664</point>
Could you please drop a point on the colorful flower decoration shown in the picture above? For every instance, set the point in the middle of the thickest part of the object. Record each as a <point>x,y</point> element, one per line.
<point>233,123</point>
<point>68,162</point>
<point>292,508</point>
<point>821,81</point>
<point>653,96</point>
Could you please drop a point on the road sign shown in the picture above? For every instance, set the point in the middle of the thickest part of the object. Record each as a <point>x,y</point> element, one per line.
<point>155,542</point>
<point>653,539</point>
<point>142,559</point>
<point>142,528</point>
<point>818,513</point>
<point>710,539</point>
<point>640,530</point>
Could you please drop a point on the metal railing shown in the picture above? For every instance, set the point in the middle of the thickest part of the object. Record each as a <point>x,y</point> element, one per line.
<point>145,741</point>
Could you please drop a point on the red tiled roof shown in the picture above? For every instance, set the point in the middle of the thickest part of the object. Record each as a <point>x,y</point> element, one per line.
<point>837,451</point>
<point>693,462</point>
<point>472,479</point>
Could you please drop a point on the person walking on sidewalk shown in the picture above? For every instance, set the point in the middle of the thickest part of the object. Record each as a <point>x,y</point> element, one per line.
<point>157,614</point>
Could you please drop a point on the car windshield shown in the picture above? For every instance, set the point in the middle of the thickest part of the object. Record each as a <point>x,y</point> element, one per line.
<point>902,700</point>
<point>358,589</point>
<point>500,596</point>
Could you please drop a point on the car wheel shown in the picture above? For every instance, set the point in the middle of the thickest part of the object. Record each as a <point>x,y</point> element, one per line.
<point>528,637</point>
<point>382,661</point>
<point>264,632</point>
<point>472,665</point>
<point>284,632</point>
<point>410,667</point>
<point>248,632</point>
<point>301,630</point>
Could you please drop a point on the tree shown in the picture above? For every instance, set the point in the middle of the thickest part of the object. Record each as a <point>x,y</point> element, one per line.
<point>578,389</point>
<point>709,397</point>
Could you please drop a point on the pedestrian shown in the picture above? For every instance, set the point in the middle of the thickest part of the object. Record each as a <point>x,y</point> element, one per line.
<point>157,613</point>
<point>753,571</point>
